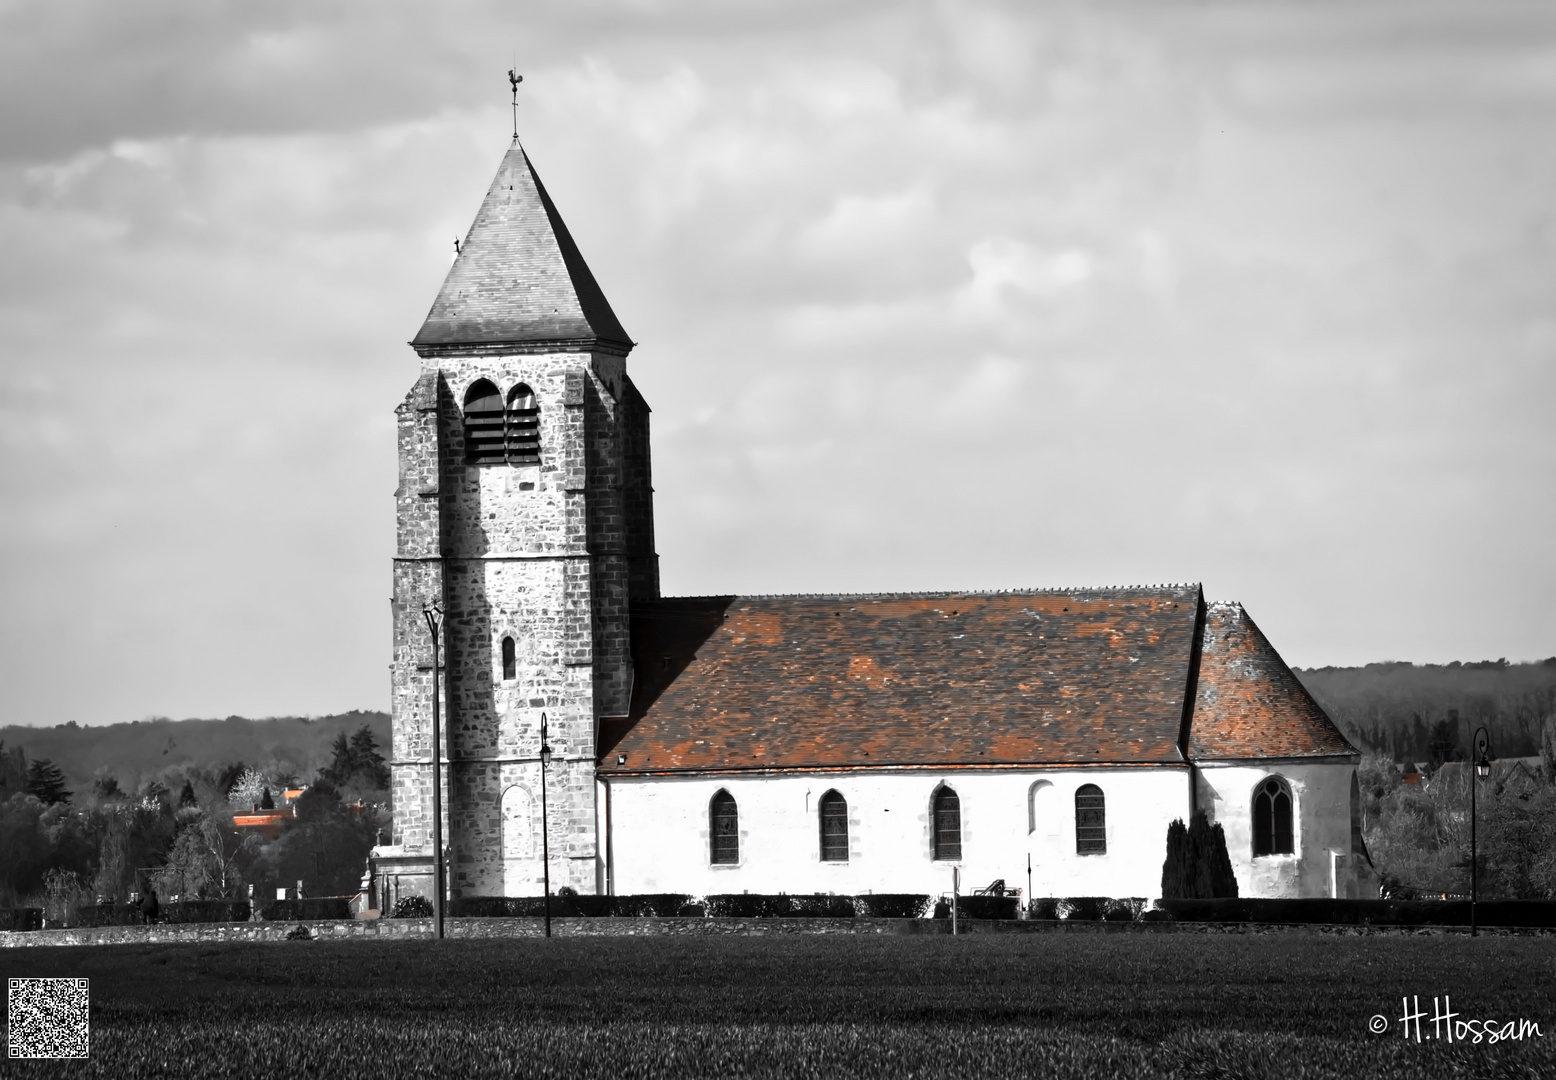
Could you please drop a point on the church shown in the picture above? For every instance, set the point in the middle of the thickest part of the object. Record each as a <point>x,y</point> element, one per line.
<point>799,744</point>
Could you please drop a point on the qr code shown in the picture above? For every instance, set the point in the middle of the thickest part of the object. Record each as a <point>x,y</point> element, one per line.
<point>47,1018</point>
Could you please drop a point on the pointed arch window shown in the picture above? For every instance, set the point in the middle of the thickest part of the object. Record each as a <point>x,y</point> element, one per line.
<point>510,660</point>
<point>523,426</point>
<point>483,424</point>
<point>948,824</point>
<point>724,829</point>
<point>1091,821</point>
<point>1272,816</point>
<point>834,827</point>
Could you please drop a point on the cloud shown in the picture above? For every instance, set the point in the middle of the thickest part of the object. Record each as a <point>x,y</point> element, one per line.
<point>928,296</point>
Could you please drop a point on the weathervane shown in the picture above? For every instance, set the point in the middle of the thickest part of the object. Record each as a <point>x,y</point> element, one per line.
<point>513,80</point>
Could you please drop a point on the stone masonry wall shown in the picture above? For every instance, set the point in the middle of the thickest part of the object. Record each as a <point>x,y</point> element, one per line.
<point>526,551</point>
<point>417,579</point>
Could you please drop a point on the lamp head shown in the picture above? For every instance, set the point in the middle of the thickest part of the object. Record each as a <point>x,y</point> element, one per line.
<point>545,754</point>
<point>1483,766</point>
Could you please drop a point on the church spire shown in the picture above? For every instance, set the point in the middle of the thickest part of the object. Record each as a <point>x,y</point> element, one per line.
<point>519,278</point>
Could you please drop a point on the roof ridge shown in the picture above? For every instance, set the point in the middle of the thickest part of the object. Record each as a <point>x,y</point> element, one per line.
<point>1070,590</point>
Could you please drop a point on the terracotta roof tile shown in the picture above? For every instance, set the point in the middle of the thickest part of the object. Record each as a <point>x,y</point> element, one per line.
<point>944,679</point>
<point>519,277</point>
<point>1249,704</point>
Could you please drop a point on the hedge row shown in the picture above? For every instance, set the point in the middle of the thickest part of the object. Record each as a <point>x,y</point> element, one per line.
<point>184,911</point>
<point>1087,908</point>
<point>487,907</point>
<point>1540,913</point>
<point>309,907</point>
<point>215,911</point>
<point>721,905</point>
<point>21,918</point>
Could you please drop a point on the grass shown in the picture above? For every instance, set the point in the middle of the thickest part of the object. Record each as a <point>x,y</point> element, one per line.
<point>1081,1005</point>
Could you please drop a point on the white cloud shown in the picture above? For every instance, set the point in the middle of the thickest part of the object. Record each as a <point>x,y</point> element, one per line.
<point>1258,296</point>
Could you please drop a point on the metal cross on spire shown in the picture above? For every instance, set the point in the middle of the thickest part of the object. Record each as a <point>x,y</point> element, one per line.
<point>513,80</point>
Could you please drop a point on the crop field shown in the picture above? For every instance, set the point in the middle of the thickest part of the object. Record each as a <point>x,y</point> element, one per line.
<point>1039,1005</point>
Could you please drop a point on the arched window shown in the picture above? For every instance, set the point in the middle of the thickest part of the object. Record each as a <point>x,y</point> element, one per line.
<point>1091,821</point>
<point>523,426</point>
<point>518,840</point>
<point>948,824</point>
<point>1042,811</point>
<point>1272,818</point>
<point>834,828</point>
<point>724,829</point>
<point>483,424</point>
<point>510,663</point>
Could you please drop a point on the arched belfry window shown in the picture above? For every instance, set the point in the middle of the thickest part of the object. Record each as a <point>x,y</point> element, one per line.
<point>724,829</point>
<point>523,426</point>
<point>483,424</point>
<point>1091,821</point>
<point>1272,818</point>
<point>510,661</point>
<point>834,828</point>
<point>948,824</point>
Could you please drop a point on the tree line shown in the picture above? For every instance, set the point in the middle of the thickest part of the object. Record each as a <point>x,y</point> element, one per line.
<point>175,831</point>
<point>1428,712</point>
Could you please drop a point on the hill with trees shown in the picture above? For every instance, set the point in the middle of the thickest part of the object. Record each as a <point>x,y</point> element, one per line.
<point>132,754</point>
<point>1428,712</point>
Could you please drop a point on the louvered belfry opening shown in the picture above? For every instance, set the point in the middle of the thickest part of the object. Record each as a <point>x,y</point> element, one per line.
<point>523,427</point>
<point>834,828</point>
<point>484,441</point>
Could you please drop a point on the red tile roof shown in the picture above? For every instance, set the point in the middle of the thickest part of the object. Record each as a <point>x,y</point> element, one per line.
<point>930,680</point>
<point>519,277</point>
<point>1249,704</point>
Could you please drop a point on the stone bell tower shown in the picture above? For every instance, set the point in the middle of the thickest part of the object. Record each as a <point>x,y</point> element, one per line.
<point>525,507</point>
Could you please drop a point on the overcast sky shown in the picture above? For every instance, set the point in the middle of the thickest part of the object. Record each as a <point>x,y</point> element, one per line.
<point>928,296</point>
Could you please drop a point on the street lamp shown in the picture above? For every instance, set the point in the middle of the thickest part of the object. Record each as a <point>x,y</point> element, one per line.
<point>433,612</point>
<point>545,833</point>
<point>1481,752</point>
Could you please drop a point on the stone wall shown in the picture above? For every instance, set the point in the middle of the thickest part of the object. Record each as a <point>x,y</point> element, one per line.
<point>481,929</point>
<point>537,553</point>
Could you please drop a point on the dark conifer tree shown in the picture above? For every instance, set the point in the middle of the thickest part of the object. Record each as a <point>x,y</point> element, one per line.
<point>1223,882</point>
<point>1177,869</point>
<point>366,759</point>
<point>267,801</point>
<point>341,765</point>
<point>46,781</point>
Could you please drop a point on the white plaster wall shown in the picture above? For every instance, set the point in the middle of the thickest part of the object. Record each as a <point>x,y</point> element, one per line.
<point>1321,824</point>
<point>660,827</point>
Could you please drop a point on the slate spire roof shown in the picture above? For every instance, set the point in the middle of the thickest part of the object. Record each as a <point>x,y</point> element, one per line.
<point>519,278</point>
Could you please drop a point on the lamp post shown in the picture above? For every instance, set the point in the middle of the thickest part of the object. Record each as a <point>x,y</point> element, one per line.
<point>433,612</point>
<point>1480,750</point>
<point>545,833</point>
